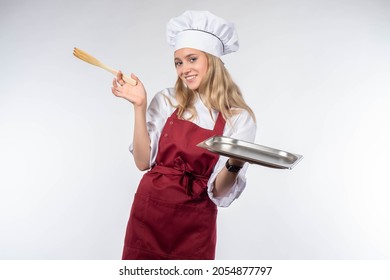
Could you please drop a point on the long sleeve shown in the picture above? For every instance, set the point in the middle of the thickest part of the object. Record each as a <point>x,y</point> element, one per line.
<point>157,113</point>
<point>242,127</point>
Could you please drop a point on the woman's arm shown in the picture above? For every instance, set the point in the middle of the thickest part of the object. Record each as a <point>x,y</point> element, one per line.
<point>225,179</point>
<point>141,140</point>
<point>137,96</point>
<point>224,186</point>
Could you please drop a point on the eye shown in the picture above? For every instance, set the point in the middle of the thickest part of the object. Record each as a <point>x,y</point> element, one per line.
<point>178,63</point>
<point>193,59</point>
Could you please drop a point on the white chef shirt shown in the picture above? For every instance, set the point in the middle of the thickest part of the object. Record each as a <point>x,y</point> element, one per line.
<point>241,126</point>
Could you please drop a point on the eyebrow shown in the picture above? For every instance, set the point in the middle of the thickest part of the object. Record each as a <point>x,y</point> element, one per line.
<point>188,55</point>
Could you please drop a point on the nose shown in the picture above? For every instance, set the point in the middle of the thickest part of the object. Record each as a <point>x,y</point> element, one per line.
<point>186,68</point>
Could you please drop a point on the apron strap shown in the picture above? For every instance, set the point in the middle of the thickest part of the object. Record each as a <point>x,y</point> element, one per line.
<point>219,124</point>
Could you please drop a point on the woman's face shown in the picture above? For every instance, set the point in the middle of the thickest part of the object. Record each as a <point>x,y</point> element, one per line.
<point>191,66</point>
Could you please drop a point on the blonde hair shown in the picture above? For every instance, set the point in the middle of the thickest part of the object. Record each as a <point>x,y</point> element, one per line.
<point>219,92</point>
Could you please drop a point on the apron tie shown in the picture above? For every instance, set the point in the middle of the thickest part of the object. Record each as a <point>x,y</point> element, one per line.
<point>181,168</point>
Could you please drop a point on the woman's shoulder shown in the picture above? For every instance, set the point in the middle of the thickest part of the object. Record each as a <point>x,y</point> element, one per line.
<point>166,96</point>
<point>241,125</point>
<point>242,115</point>
<point>167,92</point>
<point>163,102</point>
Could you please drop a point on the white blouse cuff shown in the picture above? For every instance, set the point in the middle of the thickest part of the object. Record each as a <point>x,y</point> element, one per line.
<point>235,191</point>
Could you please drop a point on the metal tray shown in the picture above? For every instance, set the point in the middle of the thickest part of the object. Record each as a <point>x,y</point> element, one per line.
<point>250,152</point>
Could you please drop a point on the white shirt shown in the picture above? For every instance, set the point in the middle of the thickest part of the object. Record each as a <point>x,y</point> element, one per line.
<point>240,126</point>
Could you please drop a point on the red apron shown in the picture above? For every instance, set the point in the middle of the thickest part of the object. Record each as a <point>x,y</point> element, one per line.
<point>172,216</point>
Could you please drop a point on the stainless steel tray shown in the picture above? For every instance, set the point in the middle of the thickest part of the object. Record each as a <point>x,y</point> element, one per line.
<point>250,152</point>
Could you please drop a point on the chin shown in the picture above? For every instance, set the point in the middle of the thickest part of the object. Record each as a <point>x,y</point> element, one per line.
<point>193,87</point>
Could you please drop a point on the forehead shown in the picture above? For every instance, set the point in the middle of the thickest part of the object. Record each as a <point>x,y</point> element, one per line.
<point>185,52</point>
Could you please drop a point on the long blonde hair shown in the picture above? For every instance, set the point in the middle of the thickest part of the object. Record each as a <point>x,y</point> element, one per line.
<point>219,92</point>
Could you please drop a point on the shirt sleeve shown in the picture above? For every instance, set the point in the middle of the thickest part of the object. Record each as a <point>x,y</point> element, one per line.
<point>242,127</point>
<point>157,113</point>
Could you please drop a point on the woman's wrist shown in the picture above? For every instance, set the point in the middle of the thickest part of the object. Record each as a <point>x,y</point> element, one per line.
<point>234,167</point>
<point>236,162</point>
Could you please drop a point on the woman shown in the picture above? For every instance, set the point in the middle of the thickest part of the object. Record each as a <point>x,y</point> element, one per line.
<point>174,211</point>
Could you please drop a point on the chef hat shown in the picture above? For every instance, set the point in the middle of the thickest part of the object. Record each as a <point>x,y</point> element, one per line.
<point>203,31</point>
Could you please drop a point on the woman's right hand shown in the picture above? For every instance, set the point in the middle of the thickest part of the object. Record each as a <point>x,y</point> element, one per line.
<point>135,94</point>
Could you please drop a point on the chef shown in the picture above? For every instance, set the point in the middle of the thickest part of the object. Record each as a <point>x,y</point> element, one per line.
<point>174,212</point>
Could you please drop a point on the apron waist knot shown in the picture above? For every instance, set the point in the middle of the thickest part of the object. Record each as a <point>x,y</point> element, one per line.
<point>180,168</point>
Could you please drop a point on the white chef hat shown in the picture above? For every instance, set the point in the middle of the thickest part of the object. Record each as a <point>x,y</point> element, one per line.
<point>203,31</point>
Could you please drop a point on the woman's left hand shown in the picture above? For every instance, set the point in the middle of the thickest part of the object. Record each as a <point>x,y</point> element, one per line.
<point>136,94</point>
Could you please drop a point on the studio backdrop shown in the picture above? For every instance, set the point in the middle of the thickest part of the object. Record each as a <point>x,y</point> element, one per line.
<point>316,74</point>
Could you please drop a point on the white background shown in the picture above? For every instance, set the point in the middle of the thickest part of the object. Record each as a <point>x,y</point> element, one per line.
<point>316,74</point>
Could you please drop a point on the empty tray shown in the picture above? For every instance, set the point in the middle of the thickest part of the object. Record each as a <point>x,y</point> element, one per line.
<point>250,152</point>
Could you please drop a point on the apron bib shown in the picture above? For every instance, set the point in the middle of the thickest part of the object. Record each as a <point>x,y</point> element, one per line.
<point>172,216</point>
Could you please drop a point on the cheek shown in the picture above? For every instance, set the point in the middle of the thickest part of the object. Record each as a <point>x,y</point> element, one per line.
<point>205,68</point>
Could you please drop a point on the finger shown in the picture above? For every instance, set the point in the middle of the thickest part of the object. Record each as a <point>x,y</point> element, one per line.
<point>117,92</point>
<point>134,77</point>
<point>113,90</point>
<point>119,75</point>
<point>119,78</point>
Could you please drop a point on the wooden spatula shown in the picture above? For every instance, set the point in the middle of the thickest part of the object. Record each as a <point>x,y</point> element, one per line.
<point>92,60</point>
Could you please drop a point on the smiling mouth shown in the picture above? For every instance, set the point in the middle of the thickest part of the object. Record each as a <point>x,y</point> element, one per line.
<point>190,78</point>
